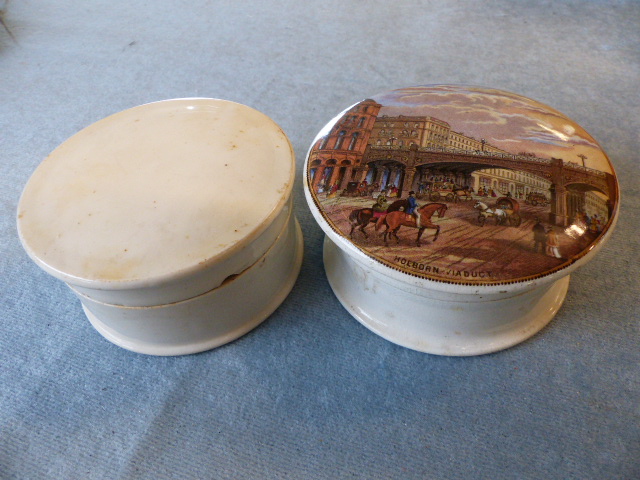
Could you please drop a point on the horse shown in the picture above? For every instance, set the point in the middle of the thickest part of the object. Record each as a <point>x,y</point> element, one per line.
<point>486,212</point>
<point>462,193</point>
<point>361,217</point>
<point>398,205</point>
<point>397,219</point>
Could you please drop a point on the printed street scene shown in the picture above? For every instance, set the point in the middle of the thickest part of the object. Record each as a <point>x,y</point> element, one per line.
<point>462,185</point>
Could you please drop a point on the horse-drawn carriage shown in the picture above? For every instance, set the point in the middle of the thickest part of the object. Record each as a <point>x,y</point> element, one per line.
<point>537,199</point>
<point>358,189</point>
<point>449,191</point>
<point>505,211</point>
<point>352,190</point>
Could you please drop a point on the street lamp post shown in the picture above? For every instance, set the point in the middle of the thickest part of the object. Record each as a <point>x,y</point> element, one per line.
<point>583,158</point>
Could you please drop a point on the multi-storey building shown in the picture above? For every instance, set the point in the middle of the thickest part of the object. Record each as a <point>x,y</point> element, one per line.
<point>341,149</point>
<point>502,181</point>
<point>405,131</point>
<point>595,204</point>
<point>388,152</point>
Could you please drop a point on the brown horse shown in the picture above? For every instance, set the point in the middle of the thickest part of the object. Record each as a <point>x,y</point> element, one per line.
<point>462,193</point>
<point>361,217</point>
<point>395,220</point>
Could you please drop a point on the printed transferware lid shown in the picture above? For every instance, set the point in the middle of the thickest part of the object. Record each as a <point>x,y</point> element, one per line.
<point>156,190</point>
<point>461,185</point>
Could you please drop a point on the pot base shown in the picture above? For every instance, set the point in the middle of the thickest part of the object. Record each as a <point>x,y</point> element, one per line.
<point>436,322</point>
<point>211,319</point>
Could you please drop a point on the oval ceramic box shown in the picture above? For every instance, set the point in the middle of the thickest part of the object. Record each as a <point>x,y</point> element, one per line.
<point>172,222</point>
<point>454,215</point>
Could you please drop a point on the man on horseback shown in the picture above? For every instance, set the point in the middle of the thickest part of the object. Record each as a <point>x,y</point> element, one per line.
<point>412,208</point>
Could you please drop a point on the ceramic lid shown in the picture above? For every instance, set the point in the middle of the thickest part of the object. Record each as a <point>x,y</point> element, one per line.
<point>506,189</point>
<point>159,190</point>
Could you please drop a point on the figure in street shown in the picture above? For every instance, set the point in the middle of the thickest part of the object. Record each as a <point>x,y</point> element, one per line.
<point>553,243</point>
<point>413,207</point>
<point>539,237</point>
<point>381,204</point>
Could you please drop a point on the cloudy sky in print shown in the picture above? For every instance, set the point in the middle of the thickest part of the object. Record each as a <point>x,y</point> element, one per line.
<point>508,121</point>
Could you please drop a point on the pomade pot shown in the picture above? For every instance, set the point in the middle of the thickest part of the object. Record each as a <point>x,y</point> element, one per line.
<point>454,215</point>
<point>172,222</point>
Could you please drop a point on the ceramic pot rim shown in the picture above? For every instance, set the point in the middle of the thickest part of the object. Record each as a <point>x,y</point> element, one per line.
<point>289,225</point>
<point>177,274</point>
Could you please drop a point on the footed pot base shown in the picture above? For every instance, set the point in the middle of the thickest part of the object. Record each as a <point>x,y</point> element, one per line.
<point>211,319</point>
<point>437,322</point>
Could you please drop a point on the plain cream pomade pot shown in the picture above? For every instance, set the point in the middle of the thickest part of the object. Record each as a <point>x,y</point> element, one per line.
<point>172,222</point>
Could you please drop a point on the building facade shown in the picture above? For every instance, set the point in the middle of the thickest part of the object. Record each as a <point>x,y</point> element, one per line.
<point>337,156</point>
<point>403,153</point>
<point>503,181</point>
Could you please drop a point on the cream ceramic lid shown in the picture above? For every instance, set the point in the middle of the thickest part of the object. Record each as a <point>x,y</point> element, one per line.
<point>507,189</point>
<point>156,191</point>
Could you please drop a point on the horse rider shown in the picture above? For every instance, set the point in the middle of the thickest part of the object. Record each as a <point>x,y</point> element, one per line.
<point>381,204</point>
<point>413,207</point>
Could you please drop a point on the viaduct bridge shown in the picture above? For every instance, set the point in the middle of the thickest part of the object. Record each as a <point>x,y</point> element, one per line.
<point>407,160</point>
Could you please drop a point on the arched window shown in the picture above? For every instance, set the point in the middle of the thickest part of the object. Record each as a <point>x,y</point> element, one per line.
<point>361,123</point>
<point>339,140</point>
<point>354,138</point>
<point>323,143</point>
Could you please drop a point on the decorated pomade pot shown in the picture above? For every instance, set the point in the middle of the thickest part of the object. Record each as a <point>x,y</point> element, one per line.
<point>454,215</point>
<point>172,222</point>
